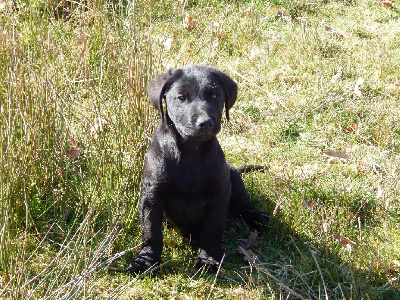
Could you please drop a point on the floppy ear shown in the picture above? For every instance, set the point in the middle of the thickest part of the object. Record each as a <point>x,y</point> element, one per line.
<point>230,89</point>
<point>159,86</point>
<point>154,90</point>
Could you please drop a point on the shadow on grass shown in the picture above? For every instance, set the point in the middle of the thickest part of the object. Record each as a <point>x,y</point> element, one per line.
<point>283,262</point>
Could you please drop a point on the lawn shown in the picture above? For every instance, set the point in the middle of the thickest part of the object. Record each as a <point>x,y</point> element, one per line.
<point>318,105</point>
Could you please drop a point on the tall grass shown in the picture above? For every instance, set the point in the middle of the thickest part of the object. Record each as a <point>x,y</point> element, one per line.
<point>74,128</point>
<point>75,124</point>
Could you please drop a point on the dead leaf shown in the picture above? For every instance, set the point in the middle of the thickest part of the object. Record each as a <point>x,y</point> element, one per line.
<point>169,43</point>
<point>274,5</point>
<point>281,14</point>
<point>346,242</point>
<point>357,91</point>
<point>221,36</point>
<point>350,215</point>
<point>337,154</point>
<point>217,31</point>
<point>308,204</point>
<point>333,31</point>
<point>250,242</point>
<point>249,256</point>
<point>189,22</point>
<point>292,80</point>
<point>244,248</point>
<point>190,47</point>
<point>336,77</point>
<point>387,3</point>
<point>74,152</point>
<point>352,128</point>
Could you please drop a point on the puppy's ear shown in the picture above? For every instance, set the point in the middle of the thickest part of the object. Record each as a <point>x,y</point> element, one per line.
<point>155,88</point>
<point>230,89</point>
<point>159,86</point>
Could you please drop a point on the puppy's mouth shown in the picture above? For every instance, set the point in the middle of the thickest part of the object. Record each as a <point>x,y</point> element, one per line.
<point>200,134</point>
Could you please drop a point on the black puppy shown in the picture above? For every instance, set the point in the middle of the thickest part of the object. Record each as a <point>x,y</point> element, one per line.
<point>185,175</point>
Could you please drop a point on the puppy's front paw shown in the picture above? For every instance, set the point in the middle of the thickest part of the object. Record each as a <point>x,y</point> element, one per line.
<point>207,262</point>
<point>142,263</point>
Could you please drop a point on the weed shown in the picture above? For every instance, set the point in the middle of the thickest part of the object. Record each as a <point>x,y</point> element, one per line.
<point>75,124</point>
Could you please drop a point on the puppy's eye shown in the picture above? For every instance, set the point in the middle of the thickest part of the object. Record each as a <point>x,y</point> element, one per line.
<point>182,98</point>
<point>214,96</point>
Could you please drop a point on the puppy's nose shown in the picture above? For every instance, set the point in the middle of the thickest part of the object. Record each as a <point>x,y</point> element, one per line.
<point>205,123</point>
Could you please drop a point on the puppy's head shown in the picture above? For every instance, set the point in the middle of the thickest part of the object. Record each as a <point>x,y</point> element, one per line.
<point>195,97</point>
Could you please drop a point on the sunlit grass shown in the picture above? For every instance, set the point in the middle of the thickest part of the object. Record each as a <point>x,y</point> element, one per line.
<point>74,129</point>
<point>75,124</point>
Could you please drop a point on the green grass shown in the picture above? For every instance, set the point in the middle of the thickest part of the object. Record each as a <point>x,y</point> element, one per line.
<point>75,124</point>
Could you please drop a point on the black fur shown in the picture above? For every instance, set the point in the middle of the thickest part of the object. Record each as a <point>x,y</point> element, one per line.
<point>185,175</point>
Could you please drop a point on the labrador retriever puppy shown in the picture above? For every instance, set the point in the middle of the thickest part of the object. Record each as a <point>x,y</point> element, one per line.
<point>186,177</point>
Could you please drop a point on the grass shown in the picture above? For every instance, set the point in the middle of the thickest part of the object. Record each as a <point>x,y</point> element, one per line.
<point>75,124</point>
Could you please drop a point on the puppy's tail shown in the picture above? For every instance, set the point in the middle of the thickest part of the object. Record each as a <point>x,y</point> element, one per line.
<point>249,168</point>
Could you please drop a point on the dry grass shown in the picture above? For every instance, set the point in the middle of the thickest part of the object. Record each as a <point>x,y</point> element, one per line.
<point>75,123</point>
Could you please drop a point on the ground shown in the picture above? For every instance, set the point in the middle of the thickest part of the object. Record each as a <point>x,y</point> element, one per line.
<point>318,105</point>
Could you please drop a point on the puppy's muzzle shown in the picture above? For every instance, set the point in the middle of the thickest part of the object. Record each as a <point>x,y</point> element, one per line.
<point>205,124</point>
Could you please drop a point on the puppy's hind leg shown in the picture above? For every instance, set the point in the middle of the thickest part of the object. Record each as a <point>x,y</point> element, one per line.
<point>240,204</point>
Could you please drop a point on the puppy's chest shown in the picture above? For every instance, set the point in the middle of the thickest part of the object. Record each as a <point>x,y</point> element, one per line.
<point>200,177</point>
<point>191,182</point>
<point>191,186</point>
<point>188,201</point>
